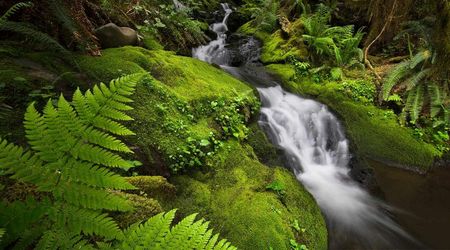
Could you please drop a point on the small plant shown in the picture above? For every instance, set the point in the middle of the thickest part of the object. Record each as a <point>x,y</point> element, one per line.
<point>195,153</point>
<point>334,47</point>
<point>360,91</point>
<point>296,246</point>
<point>297,227</point>
<point>277,187</point>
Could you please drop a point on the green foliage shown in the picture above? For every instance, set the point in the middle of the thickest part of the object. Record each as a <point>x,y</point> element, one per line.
<point>301,68</point>
<point>295,246</point>
<point>337,45</point>
<point>72,147</point>
<point>277,187</point>
<point>414,75</point>
<point>26,30</point>
<point>263,13</point>
<point>194,154</point>
<point>232,116</point>
<point>360,91</point>
<point>157,233</point>
<point>14,9</point>
<point>173,27</point>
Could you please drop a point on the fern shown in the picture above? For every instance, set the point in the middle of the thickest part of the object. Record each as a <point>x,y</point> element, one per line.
<point>414,103</point>
<point>338,43</point>
<point>33,35</point>
<point>14,9</point>
<point>156,233</point>
<point>70,156</point>
<point>27,30</point>
<point>394,77</point>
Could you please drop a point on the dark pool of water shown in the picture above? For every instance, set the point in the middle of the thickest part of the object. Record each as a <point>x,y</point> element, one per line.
<point>423,202</point>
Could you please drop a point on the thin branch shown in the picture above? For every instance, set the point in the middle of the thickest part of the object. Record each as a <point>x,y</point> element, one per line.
<point>366,50</point>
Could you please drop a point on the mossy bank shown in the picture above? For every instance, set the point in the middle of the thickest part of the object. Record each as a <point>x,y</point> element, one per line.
<point>177,125</point>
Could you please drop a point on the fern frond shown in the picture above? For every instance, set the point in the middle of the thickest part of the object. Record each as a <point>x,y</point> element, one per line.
<point>415,103</point>
<point>419,58</point>
<point>20,221</point>
<point>93,175</point>
<point>102,106</point>
<point>180,233</point>
<point>90,222</point>
<point>61,239</point>
<point>187,234</point>
<point>23,166</point>
<point>33,35</point>
<point>68,160</point>
<point>394,77</point>
<point>87,197</point>
<point>416,79</point>
<point>14,9</point>
<point>151,234</point>
<point>436,99</point>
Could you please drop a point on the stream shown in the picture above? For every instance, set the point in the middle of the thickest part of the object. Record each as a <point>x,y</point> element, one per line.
<point>317,151</point>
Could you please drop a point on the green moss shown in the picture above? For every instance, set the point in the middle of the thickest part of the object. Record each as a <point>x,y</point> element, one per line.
<point>189,78</point>
<point>236,202</point>
<point>265,151</point>
<point>170,108</point>
<point>276,47</point>
<point>375,134</point>
<point>153,186</point>
<point>144,208</point>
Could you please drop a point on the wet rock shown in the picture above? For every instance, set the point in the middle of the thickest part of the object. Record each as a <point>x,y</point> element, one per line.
<point>113,36</point>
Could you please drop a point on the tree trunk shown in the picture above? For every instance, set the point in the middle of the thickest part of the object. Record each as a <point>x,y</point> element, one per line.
<point>442,39</point>
<point>379,14</point>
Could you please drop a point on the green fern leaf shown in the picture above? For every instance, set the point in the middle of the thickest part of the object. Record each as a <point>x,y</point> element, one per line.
<point>394,77</point>
<point>419,58</point>
<point>414,103</point>
<point>33,35</point>
<point>149,235</point>
<point>87,197</point>
<point>91,222</point>
<point>416,79</point>
<point>14,9</point>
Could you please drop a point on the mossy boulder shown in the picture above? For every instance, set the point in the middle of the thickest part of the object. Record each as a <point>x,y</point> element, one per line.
<point>375,132</point>
<point>235,199</point>
<point>144,208</point>
<point>172,108</point>
<point>278,47</point>
<point>153,186</point>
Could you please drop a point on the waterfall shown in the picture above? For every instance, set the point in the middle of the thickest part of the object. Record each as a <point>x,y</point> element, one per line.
<point>317,151</point>
<point>215,51</point>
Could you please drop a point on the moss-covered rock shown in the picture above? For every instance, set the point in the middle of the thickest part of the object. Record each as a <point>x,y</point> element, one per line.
<point>176,106</point>
<point>144,208</point>
<point>375,132</point>
<point>234,198</point>
<point>276,46</point>
<point>153,186</point>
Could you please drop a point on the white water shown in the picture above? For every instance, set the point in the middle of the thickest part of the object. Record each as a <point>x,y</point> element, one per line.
<point>318,153</point>
<point>215,51</point>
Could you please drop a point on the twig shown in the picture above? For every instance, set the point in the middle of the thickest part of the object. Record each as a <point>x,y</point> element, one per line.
<point>366,50</point>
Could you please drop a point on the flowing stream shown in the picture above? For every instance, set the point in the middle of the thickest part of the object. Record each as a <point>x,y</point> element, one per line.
<point>316,149</point>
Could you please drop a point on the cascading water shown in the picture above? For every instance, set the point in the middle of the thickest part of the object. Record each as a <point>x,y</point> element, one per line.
<point>215,51</point>
<point>317,151</point>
